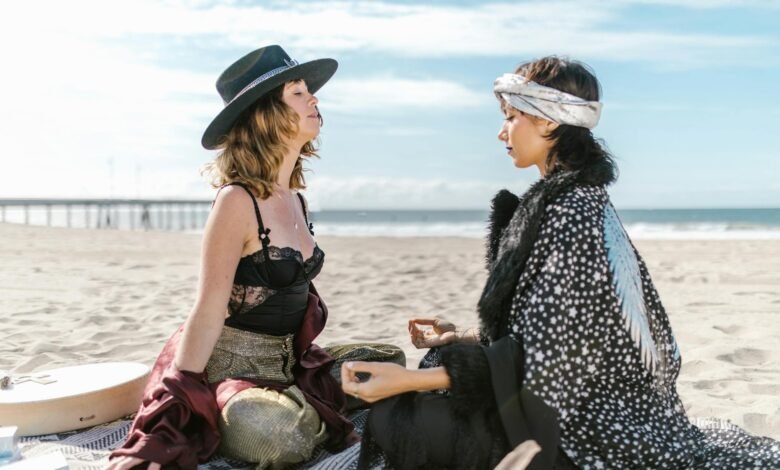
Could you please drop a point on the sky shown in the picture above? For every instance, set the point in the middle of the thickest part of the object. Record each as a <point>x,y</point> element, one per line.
<point>110,98</point>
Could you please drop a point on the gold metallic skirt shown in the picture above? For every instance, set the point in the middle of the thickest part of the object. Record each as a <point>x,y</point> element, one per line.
<point>240,353</point>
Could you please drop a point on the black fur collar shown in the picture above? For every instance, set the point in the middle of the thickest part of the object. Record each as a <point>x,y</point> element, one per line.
<point>514,228</point>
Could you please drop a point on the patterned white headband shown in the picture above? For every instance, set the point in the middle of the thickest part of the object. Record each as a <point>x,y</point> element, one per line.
<point>545,102</point>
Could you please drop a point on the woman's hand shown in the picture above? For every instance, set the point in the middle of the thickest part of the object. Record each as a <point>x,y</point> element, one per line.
<point>122,463</point>
<point>520,457</point>
<point>441,333</point>
<point>387,379</point>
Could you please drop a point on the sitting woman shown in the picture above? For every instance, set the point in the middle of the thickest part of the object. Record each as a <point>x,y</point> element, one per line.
<point>575,352</point>
<point>242,374</point>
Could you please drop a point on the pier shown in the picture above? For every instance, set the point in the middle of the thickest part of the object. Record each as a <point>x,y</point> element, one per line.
<point>126,214</point>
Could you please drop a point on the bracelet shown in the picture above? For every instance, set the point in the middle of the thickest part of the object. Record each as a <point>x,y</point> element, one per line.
<point>460,335</point>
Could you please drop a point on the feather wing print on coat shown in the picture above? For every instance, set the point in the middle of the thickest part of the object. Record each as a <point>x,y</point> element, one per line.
<point>628,287</point>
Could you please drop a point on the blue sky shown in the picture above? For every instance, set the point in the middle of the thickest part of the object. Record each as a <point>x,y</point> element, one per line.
<point>109,98</point>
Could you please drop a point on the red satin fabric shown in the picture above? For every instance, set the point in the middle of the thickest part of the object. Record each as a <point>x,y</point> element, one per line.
<point>177,421</point>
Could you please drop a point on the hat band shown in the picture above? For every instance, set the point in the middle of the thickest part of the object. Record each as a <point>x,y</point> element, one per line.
<point>290,64</point>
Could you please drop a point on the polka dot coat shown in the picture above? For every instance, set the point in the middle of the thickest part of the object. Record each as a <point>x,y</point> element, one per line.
<point>599,349</point>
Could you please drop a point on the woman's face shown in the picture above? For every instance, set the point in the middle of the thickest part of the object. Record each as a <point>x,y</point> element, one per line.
<point>524,136</point>
<point>296,95</point>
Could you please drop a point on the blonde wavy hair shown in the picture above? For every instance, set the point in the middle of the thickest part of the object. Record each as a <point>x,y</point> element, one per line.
<point>253,151</point>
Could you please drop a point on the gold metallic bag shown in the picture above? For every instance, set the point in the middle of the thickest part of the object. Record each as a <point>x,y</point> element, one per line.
<point>272,429</point>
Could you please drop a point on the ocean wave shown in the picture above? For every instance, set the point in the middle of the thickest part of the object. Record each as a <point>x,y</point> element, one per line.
<point>702,231</point>
<point>640,231</point>
<point>759,224</point>
<point>464,230</point>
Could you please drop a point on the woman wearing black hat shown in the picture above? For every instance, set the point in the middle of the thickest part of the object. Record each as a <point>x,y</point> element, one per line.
<point>242,373</point>
<point>575,364</point>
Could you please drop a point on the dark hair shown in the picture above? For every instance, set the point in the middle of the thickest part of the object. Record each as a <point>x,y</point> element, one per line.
<point>574,147</point>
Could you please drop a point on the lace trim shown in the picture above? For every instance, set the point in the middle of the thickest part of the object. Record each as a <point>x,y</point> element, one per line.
<point>245,298</point>
<point>286,252</point>
<point>315,259</point>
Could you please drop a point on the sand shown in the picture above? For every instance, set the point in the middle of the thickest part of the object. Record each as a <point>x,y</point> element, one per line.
<point>70,296</point>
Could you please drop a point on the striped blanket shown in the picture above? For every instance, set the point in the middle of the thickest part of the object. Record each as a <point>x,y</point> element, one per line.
<point>88,449</point>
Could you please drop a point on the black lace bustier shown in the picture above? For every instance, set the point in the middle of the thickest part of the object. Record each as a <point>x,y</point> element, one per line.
<point>271,286</point>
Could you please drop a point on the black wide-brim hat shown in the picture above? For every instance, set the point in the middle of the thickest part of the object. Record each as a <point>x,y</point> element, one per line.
<point>254,75</point>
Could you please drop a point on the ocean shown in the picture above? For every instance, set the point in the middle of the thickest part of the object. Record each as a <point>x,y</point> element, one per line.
<point>640,223</point>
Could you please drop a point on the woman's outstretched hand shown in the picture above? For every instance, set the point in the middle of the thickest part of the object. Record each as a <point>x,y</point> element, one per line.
<point>386,380</point>
<point>520,457</point>
<point>430,333</point>
<point>121,463</point>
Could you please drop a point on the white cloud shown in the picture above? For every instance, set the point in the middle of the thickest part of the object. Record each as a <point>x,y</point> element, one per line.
<point>70,95</point>
<point>386,93</point>
<point>407,131</point>
<point>649,107</point>
<point>588,29</point>
<point>361,192</point>
<point>82,94</point>
<point>84,83</point>
<point>707,4</point>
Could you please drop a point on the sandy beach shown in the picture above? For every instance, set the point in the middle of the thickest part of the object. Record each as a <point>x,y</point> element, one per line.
<point>70,296</point>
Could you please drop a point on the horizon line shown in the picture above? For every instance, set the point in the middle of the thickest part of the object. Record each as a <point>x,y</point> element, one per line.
<point>43,202</point>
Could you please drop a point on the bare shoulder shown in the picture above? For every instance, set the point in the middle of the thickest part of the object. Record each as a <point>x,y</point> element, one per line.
<point>233,206</point>
<point>233,199</point>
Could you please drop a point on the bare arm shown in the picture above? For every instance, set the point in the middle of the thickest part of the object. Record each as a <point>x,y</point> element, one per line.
<point>434,332</point>
<point>227,229</point>
<point>223,241</point>
<point>389,379</point>
<point>468,336</point>
<point>423,380</point>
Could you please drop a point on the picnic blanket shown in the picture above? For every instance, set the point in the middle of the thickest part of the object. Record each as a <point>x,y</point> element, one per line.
<point>88,449</point>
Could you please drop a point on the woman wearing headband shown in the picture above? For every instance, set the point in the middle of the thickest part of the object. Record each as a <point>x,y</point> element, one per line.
<point>242,374</point>
<point>575,363</point>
